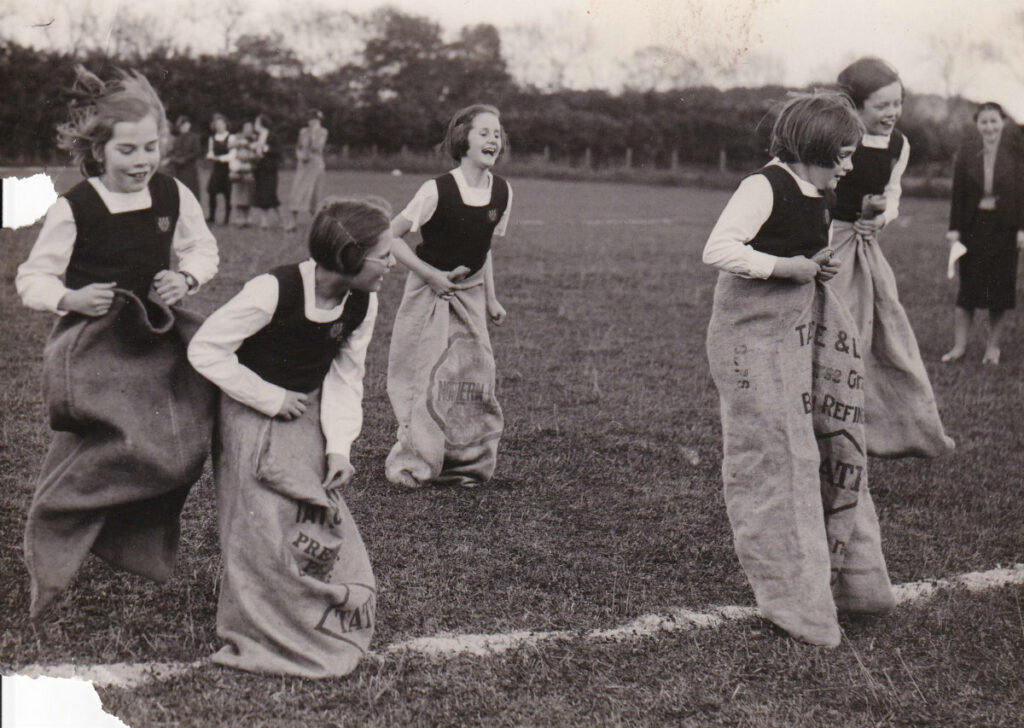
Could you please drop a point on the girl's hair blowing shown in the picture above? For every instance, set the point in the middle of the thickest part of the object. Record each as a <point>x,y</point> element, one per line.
<point>98,107</point>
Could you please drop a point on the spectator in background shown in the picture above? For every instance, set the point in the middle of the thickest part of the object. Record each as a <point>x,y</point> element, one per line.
<point>987,216</point>
<point>307,187</point>
<point>240,171</point>
<point>218,151</point>
<point>268,161</point>
<point>185,153</point>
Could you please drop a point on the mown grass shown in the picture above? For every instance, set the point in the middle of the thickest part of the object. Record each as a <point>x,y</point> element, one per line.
<point>606,505</point>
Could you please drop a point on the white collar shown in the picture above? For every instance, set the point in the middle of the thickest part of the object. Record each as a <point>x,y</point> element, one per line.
<point>877,141</point>
<point>806,188</point>
<point>307,269</point>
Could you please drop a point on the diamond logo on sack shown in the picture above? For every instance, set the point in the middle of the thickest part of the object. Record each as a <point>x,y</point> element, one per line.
<point>164,223</point>
<point>461,398</point>
<point>492,215</point>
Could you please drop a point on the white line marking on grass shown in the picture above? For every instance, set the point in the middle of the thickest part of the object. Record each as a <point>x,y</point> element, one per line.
<point>603,222</point>
<point>124,674</point>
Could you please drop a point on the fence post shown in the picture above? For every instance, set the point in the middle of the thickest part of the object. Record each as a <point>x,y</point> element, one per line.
<point>373,151</point>
<point>586,158</point>
<point>547,153</point>
<point>674,160</point>
<point>722,161</point>
<point>345,152</point>
<point>629,157</point>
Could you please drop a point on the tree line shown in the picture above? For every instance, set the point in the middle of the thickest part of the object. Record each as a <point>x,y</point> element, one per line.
<point>407,80</point>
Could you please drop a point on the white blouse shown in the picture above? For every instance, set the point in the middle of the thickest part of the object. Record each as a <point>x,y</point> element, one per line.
<point>38,281</point>
<point>212,352</point>
<point>893,189</point>
<point>424,203</point>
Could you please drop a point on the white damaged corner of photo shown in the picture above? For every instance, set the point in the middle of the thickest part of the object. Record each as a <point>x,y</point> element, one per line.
<point>26,199</point>
<point>53,702</point>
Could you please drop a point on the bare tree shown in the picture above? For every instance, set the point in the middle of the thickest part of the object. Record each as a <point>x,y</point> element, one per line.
<point>1008,49</point>
<point>134,34</point>
<point>66,25</point>
<point>324,39</point>
<point>229,15</point>
<point>548,55</point>
<point>957,58</point>
<point>754,68</point>
<point>660,69</point>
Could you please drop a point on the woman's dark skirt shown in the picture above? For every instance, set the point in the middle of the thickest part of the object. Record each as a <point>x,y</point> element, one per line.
<point>988,271</point>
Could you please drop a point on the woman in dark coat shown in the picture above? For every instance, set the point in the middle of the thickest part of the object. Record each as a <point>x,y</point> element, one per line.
<point>264,194</point>
<point>186,151</point>
<point>987,217</point>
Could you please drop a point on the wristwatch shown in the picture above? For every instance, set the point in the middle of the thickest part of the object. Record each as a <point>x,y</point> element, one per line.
<point>190,281</point>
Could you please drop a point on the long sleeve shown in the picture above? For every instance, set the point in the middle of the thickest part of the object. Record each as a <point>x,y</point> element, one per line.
<point>193,242</point>
<point>502,227</point>
<point>956,201</point>
<point>894,188</point>
<point>38,281</point>
<point>747,210</point>
<point>212,351</point>
<point>341,407</point>
<point>422,205</point>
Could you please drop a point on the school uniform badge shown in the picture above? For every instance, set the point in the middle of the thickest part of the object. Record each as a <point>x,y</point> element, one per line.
<point>492,215</point>
<point>337,331</point>
<point>163,223</point>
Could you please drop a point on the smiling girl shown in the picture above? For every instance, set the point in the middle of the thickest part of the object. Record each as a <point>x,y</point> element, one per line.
<point>103,258</point>
<point>770,245</point>
<point>288,352</point>
<point>449,297</point>
<point>904,418</point>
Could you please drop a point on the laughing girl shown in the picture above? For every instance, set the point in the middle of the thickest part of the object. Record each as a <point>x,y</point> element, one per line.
<point>441,366</point>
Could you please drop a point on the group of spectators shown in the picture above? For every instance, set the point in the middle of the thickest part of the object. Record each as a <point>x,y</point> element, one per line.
<point>245,168</point>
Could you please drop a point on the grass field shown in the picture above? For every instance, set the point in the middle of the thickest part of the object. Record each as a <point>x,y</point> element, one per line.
<point>606,506</point>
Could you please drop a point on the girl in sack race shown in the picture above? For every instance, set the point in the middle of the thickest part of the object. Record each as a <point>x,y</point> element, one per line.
<point>904,416</point>
<point>784,356</point>
<point>441,377</point>
<point>132,420</point>
<point>297,592</point>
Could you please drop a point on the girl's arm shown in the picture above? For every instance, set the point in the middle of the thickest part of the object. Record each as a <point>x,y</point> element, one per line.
<point>442,283</point>
<point>747,210</point>
<point>894,188</point>
<point>212,351</point>
<point>193,243</point>
<point>495,311</point>
<point>341,405</point>
<point>38,281</point>
<point>209,149</point>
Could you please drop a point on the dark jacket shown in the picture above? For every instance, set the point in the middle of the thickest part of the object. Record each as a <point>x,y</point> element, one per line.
<point>1007,183</point>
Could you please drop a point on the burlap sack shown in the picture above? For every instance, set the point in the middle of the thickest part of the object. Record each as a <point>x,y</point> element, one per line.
<point>789,371</point>
<point>297,594</point>
<point>441,384</point>
<point>133,424</point>
<point>904,417</point>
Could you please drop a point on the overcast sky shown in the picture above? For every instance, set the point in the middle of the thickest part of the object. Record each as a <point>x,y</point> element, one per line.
<point>809,40</point>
